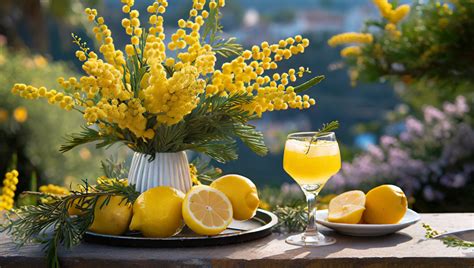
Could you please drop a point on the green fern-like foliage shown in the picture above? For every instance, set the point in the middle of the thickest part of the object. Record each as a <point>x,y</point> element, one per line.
<point>212,129</point>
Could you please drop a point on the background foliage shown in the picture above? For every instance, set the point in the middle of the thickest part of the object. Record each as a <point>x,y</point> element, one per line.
<point>35,130</point>
<point>428,151</point>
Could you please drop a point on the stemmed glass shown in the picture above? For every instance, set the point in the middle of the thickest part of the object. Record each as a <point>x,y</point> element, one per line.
<point>311,161</point>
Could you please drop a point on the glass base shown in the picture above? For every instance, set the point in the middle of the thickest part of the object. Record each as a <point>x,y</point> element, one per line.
<point>316,240</point>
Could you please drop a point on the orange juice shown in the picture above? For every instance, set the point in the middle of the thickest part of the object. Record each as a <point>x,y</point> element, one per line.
<point>311,163</point>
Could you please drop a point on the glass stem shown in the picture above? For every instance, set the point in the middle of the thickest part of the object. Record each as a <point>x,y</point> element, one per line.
<point>311,228</point>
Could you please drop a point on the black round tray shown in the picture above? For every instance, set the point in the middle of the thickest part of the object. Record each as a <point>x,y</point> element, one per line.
<point>237,232</point>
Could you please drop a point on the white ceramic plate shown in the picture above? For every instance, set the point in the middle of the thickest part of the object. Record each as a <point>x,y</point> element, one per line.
<point>411,217</point>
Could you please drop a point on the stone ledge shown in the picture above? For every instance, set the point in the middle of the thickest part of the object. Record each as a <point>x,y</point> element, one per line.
<point>407,248</point>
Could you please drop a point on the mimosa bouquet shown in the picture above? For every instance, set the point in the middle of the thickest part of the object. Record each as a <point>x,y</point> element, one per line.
<point>167,94</point>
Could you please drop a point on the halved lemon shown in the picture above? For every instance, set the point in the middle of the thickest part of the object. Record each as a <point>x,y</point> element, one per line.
<point>207,211</point>
<point>347,207</point>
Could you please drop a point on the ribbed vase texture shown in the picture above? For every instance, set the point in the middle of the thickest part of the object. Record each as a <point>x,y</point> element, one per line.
<point>167,169</point>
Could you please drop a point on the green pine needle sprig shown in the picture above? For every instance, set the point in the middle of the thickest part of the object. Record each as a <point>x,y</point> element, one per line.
<point>50,224</point>
<point>448,241</point>
<point>291,219</point>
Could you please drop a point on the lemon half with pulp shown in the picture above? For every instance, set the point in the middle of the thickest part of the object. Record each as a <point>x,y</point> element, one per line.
<point>347,207</point>
<point>207,211</point>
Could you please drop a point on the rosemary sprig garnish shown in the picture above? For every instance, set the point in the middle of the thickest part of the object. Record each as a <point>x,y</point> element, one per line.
<point>449,241</point>
<point>327,127</point>
<point>291,219</point>
<point>50,224</point>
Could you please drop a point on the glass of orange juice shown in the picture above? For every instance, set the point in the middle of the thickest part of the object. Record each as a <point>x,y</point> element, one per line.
<point>311,159</point>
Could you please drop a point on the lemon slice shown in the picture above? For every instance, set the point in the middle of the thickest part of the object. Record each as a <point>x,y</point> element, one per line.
<point>207,211</point>
<point>347,207</point>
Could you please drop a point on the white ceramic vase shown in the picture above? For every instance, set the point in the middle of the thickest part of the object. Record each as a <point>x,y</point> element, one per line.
<point>167,169</point>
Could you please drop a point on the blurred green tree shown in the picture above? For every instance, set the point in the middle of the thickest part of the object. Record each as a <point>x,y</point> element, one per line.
<point>429,56</point>
<point>34,130</point>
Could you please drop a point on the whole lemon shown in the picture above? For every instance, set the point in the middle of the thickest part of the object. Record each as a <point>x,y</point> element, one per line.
<point>113,218</point>
<point>241,192</point>
<point>83,202</point>
<point>74,208</point>
<point>157,212</point>
<point>385,204</point>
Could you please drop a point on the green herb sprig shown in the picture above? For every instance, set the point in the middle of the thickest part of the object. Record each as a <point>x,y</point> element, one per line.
<point>50,224</point>
<point>324,130</point>
<point>291,219</point>
<point>449,241</point>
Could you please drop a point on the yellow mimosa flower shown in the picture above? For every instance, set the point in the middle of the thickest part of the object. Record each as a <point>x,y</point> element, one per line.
<point>20,114</point>
<point>351,37</point>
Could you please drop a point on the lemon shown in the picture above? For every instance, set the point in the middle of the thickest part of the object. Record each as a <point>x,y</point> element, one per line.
<point>113,218</point>
<point>157,212</point>
<point>385,204</point>
<point>207,211</point>
<point>84,202</point>
<point>242,194</point>
<point>347,207</point>
<point>74,209</point>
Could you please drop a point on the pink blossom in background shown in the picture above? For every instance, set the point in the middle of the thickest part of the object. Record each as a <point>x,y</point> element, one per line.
<point>431,154</point>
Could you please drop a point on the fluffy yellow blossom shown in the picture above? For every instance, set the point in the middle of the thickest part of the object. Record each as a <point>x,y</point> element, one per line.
<point>193,172</point>
<point>399,13</point>
<point>30,92</point>
<point>384,7</point>
<point>245,75</point>
<point>54,189</point>
<point>8,190</point>
<point>392,29</point>
<point>20,114</point>
<point>104,36</point>
<point>103,180</point>
<point>171,99</point>
<point>393,15</point>
<point>347,38</point>
<point>129,94</point>
<point>351,51</point>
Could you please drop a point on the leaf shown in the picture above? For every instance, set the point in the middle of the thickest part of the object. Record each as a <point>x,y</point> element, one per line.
<point>252,138</point>
<point>333,125</point>
<point>308,84</point>
<point>222,151</point>
<point>211,33</point>
<point>211,25</point>
<point>227,47</point>
<point>85,136</point>
<point>114,169</point>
